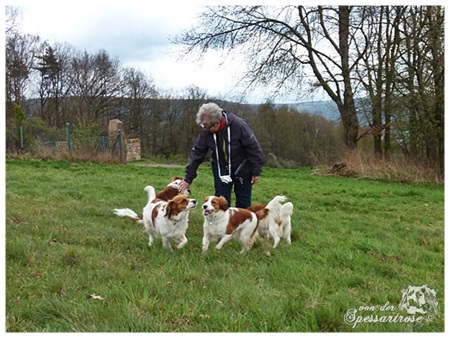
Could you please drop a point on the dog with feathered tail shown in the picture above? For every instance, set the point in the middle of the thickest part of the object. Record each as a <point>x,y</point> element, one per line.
<point>274,219</point>
<point>166,219</point>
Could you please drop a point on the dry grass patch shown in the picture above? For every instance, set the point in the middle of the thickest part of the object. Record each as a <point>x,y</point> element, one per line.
<point>368,166</point>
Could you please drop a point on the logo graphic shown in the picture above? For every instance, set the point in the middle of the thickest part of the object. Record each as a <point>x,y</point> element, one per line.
<point>418,299</point>
<point>418,304</point>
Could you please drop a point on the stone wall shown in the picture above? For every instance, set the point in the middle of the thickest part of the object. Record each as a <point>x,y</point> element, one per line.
<point>133,149</point>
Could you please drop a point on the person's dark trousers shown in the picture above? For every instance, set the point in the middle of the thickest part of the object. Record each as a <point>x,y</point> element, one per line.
<point>242,187</point>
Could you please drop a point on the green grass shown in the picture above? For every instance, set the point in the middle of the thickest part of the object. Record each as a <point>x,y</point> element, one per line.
<point>355,243</point>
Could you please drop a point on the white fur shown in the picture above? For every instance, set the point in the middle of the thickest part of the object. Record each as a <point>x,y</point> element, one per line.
<point>285,217</point>
<point>128,213</point>
<point>277,223</point>
<point>215,226</point>
<point>168,229</point>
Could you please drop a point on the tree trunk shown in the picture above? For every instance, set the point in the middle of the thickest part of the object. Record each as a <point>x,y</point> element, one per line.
<point>347,109</point>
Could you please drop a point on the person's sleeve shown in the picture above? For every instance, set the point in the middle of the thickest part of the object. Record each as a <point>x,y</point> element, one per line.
<point>198,153</point>
<point>253,149</point>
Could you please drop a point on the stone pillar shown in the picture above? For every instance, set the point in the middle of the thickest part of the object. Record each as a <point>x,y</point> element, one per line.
<point>118,145</point>
<point>133,149</point>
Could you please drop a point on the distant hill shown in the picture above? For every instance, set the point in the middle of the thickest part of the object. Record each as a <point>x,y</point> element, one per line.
<point>327,109</point>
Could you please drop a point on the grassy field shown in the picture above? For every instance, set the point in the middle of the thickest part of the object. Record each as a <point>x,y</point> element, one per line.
<point>355,245</point>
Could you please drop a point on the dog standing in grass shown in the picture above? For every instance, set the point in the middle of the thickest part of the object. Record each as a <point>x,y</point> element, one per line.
<point>222,223</point>
<point>274,219</point>
<point>166,219</point>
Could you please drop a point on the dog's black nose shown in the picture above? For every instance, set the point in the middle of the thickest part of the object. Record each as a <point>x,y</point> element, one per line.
<point>204,206</point>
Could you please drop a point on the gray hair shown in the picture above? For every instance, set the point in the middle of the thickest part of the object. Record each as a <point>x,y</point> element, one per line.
<point>209,113</point>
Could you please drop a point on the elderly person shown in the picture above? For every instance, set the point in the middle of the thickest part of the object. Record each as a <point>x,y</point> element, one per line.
<point>236,155</point>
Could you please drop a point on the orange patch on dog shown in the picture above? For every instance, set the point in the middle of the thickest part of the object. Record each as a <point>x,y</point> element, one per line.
<point>218,203</point>
<point>259,210</point>
<point>256,207</point>
<point>261,214</point>
<point>238,217</point>
<point>155,212</point>
<point>176,205</point>
<point>167,194</point>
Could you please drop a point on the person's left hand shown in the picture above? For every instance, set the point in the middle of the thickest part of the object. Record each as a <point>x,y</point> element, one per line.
<point>255,179</point>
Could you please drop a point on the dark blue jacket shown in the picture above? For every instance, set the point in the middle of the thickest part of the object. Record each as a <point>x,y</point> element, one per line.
<point>244,145</point>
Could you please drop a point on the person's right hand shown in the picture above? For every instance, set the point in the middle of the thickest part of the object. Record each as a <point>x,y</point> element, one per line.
<point>184,186</point>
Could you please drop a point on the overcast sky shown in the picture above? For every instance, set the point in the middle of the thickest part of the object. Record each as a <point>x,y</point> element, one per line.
<point>137,34</point>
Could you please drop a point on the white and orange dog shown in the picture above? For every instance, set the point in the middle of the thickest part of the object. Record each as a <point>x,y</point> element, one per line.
<point>167,219</point>
<point>222,223</point>
<point>274,219</point>
<point>172,189</point>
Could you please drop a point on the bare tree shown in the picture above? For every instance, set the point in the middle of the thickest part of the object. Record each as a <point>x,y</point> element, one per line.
<point>96,85</point>
<point>137,89</point>
<point>288,46</point>
<point>50,85</point>
<point>193,98</point>
<point>19,59</point>
<point>421,82</point>
<point>11,14</point>
<point>288,136</point>
<point>377,70</point>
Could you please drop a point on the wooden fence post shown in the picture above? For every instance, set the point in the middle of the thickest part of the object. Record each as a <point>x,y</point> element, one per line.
<point>69,139</point>
<point>117,140</point>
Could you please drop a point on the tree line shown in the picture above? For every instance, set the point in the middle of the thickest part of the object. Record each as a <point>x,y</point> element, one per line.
<point>387,59</point>
<point>391,57</point>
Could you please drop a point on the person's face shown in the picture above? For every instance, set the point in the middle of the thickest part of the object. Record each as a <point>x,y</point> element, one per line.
<point>212,128</point>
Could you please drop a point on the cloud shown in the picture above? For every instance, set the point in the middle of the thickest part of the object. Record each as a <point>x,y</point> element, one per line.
<point>118,28</point>
<point>138,36</point>
<point>171,72</point>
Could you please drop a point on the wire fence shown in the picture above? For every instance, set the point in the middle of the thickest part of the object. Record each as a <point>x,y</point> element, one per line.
<point>75,146</point>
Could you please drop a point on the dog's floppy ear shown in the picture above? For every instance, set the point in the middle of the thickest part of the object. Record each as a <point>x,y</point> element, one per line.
<point>170,209</point>
<point>223,203</point>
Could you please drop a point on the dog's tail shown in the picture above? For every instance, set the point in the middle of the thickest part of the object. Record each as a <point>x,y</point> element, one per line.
<point>150,192</point>
<point>286,211</point>
<point>128,213</point>
<point>274,206</point>
<point>275,203</point>
<point>285,217</point>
